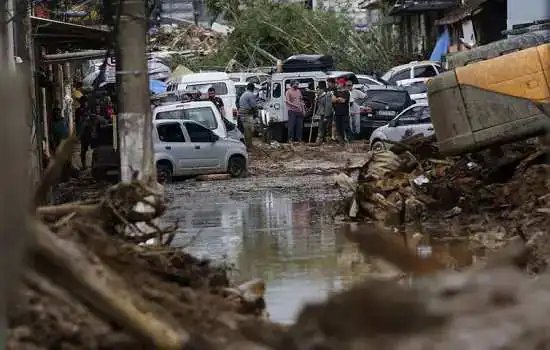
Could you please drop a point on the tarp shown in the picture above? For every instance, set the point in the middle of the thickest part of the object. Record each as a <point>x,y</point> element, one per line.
<point>441,47</point>
<point>157,87</point>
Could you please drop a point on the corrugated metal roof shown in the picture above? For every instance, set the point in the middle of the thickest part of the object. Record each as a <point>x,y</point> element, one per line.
<point>408,6</point>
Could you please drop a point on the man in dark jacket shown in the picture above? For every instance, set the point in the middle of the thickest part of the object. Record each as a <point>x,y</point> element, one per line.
<point>341,104</point>
<point>218,102</point>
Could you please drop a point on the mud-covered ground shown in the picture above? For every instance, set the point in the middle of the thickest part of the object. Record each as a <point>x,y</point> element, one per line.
<point>486,199</point>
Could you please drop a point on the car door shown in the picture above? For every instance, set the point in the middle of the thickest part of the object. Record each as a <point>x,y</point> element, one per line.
<point>208,155</point>
<point>173,143</point>
<point>275,104</point>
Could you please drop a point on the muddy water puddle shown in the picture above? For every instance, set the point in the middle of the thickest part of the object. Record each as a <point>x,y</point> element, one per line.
<point>281,230</point>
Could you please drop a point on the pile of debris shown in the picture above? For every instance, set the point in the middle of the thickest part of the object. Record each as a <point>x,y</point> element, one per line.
<point>92,283</point>
<point>187,40</point>
<point>412,183</point>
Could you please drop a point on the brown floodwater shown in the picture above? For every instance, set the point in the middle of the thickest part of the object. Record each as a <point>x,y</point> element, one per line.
<point>282,230</point>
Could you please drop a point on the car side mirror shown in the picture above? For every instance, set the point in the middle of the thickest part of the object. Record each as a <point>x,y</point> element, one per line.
<point>214,137</point>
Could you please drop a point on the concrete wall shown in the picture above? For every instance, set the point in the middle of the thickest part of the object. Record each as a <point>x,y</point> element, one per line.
<point>524,11</point>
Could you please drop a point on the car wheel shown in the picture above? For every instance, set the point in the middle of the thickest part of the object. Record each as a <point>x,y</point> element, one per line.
<point>237,166</point>
<point>164,173</point>
<point>378,146</point>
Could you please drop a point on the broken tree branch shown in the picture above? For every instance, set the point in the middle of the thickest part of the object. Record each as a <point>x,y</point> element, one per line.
<point>100,290</point>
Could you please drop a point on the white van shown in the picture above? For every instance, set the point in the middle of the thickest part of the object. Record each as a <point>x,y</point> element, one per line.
<point>225,88</point>
<point>274,114</point>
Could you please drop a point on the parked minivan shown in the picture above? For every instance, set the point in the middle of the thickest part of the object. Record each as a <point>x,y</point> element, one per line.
<point>225,88</point>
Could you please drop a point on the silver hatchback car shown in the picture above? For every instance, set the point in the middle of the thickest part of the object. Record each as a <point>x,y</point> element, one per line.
<point>187,148</point>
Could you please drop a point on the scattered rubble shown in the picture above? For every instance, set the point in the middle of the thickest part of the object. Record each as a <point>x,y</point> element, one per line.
<point>488,197</point>
<point>164,294</point>
<point>186,40</point>
<point>92,284</point>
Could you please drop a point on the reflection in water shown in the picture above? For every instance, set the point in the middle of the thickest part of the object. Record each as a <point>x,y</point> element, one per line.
<point>291,244</point>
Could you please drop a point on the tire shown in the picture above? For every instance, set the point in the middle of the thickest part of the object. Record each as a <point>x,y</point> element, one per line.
<point>236,166</point>
<point>279,132</point>
<point>164,173</point>
<point>378,146</point>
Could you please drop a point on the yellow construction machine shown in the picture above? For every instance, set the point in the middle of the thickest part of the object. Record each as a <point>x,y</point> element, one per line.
<point>493,94</point>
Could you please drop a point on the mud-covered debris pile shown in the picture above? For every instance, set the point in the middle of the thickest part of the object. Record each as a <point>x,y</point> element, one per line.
<point>184,38</point>
<point>91,283</point>
<point>411,181</point>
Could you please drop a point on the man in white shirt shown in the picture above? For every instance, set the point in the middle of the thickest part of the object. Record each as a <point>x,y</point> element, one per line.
<point>355,110</point>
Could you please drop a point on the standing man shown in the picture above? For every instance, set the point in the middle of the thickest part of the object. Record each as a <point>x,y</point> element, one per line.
<point>340,103</point>
<point>89,128</point>
<point>218,102</point>
<point>248,107</point>
<point>332,89</point>
<point>355,110</point>
<point>324,111</point>
<point>295,106</point>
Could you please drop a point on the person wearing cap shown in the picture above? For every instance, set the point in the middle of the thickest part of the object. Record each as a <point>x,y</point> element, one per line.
<point>248,107</point>
<point>295,107</point>
<point>355,110</point>
<point>340,104</point>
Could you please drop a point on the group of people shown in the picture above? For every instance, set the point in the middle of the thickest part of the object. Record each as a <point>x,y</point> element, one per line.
<point>87,120</point>
<point>335,106</point>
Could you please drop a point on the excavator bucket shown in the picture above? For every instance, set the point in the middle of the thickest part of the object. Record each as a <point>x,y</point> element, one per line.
<point>495,94</point>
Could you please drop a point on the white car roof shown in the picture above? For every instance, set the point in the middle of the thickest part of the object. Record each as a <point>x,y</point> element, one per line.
<point>203,77</point>
<point>413,64</point>
<point>184,105</point>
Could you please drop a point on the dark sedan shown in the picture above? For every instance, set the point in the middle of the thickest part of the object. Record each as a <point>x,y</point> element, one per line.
<point>381,105</point>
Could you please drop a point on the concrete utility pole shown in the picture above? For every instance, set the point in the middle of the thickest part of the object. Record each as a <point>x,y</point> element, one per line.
<point>134,117</point>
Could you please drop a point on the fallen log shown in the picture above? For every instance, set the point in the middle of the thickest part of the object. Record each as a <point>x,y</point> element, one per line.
<point>100,290</point>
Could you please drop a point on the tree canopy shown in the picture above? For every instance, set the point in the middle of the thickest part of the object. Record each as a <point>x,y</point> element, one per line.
<point>263,28</point>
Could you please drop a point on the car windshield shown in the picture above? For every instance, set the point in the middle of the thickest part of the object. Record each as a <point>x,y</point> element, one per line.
<point>220,87</point>
<point>392,98</point>
<point>417,88</point>
<point>203,115</point>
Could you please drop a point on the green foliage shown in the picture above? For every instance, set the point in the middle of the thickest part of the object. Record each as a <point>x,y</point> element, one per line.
<point>286,29</point>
